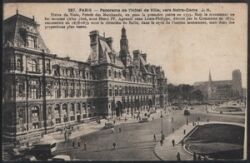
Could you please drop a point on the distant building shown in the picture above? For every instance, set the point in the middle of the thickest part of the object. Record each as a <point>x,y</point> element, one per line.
<point>223,89</point>
<point>43,92</point>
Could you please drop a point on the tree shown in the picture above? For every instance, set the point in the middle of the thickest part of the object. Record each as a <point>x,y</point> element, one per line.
<point>197,95</point>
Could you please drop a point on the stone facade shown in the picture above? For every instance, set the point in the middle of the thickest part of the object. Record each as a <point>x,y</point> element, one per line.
<point>43,92</point>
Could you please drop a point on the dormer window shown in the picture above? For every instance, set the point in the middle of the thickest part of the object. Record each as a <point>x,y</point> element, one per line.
<point>29,36</point>
<point>31,42</point>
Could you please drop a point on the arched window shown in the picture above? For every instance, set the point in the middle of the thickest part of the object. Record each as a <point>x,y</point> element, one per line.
<point>64,109</point>
<point>78,108</point>
<point>72,108</point>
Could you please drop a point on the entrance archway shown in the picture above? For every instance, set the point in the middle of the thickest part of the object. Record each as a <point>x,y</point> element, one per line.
<point>118,108</point>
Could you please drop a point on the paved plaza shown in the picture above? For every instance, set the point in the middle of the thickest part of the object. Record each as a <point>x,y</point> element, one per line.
<point>136,140</point>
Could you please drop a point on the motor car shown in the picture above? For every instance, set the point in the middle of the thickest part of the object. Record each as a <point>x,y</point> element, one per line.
<point>28,158</point>
<point>186,112</point>
<point>61,158</point>
<point>44,149</point>
<point>108,125</point>
<point>143,120</point>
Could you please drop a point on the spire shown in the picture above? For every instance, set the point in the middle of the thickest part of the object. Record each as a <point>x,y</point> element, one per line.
<point>17,11</point>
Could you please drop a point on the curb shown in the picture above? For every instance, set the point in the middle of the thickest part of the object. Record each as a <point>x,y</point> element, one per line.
<point>156,155</point>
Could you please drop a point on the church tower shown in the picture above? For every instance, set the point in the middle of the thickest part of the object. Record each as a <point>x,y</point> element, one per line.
<point>124,50</point>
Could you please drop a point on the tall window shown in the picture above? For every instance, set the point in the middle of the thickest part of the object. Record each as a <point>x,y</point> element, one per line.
<point>83,92</point>
<point>32,65</point>
<point>57,113</point>
<point>110,73</point>
<point>19,64</point>
<point>110,92</point>
<point>33,89</point>
<point>35,117</point>
<point>78,111</point>
<point>47,66</point>
<point>21,89</point>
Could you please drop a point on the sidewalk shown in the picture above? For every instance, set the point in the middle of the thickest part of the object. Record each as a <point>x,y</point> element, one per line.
<point>169,153</point>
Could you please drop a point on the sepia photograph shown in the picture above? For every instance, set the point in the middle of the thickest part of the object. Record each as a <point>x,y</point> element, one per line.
<point>124,81</point>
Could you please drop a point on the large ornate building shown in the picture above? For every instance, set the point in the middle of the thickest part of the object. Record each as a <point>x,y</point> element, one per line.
<point>223,89</point>
<point>42,91</point>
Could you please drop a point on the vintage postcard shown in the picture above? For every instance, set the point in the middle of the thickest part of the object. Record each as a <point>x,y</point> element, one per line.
<point>124,81</point>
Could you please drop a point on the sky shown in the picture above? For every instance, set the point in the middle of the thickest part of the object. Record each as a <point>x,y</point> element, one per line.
<point>185,52</point>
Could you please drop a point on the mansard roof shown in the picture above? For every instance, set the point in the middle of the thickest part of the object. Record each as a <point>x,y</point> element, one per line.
<point>17,27</point>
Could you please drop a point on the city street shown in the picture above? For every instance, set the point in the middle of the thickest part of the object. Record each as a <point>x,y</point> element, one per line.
<point>135,142</point>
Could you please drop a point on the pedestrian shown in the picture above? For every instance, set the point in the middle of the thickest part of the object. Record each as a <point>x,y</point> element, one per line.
<point>161,142</point>
<point>112,130</point>
<point>79,144</point>
<point>178,156</point>
<point>187,122</point>
<point>154,137</point>
<point>114,145</point>
<point>194,156</point>
<point>182,143</point>
<point>65,136</point>
<point>173,142</point>
<point>199,157</point>
<point>162,136</point>
<point>184,131</point>
<point>120,130</point>
<point>193,124</point>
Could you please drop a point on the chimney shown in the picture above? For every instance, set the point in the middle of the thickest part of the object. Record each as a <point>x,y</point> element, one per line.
<point>136,54</point>
<point>158,69</point>
<point>109,41</point>
<point>144,56</point>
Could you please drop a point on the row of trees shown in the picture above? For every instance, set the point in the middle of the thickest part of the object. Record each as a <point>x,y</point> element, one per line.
<point>184,92</point>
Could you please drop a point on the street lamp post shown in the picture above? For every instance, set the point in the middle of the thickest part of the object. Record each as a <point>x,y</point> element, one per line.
<point>161,123</point>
